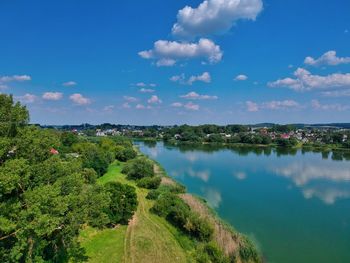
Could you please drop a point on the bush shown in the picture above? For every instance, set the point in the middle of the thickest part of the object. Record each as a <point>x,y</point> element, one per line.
<point>247,251</point>
<point>210,252</point>
<point>124,154</point>
<point>199,228</point>
<point>139,168</point>
<point>153,195</point>
<point>123,202</point>
<point>149,182</point>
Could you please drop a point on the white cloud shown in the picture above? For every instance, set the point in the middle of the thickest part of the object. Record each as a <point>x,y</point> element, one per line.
<point>166,62</point>
<point>214,16</point>
<point>191,106</point>
<point>165,51</point>
<point>108,108</point>
<point>204,77</point>
<point>15,78</point>
<point>252,106</point>
<point>27,98</point>
<point>272,105</point>
<point>144,90</point>
<point>140,107</point>
<point>154,100</point>
<point>329,58</point>
<point>52,96</point>
<point>79,99</point>
<point>177,105</point>
<point>126,105</point>
<point>141,84</point>
<point>333,107</point>
<point>69,84</point>
<point>241,77</point>
<point>336,93</point>
<point>195,96</point>
<point>280,105</point>
<point>304,80</point>
<point>130,99</point>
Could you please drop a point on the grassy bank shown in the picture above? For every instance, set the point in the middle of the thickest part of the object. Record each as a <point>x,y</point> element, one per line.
<point>152,238</point>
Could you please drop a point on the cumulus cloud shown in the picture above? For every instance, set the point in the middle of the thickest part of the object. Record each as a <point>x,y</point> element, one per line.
<point>336,93</point>
<point>142,85</point>
<point>27,98</point>
<point>191,106</point>
<point>126,105</point>
<point>333,107</point>
<point>195,96</point>
<point>177,105</point>
<point>272,105</point>
<point>305,81</point>
<point>214,16</point>
<point>252,106</point>
<point>108,108</point>
<point>329,58</point>
<point>241,77</point>
<point>69,84</point>
<point>172,51</point>
<point>140,107</point>
<point>144,90</point>
<point>15,78</point>
<point>154,100</point>
<point>52,96</point>
<point>79,99</point>
<point>204,77</point>
<point>130,99</point>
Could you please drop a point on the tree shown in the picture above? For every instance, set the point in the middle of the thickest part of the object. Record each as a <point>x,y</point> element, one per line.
<point>123,202</point>
<point>139,168</point>
<point>12,116</point>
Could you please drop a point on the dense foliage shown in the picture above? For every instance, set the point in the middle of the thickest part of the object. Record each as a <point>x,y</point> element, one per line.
<point>48,189</point>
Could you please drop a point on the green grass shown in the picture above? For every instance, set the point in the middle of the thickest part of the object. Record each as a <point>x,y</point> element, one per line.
<point>104,245</point>
<point>148,238</point>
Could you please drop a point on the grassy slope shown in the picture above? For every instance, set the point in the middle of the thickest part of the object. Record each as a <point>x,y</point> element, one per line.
<point>148,238</point>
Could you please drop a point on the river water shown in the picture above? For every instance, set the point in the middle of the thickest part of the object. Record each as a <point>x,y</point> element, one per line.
<point>294,205</point>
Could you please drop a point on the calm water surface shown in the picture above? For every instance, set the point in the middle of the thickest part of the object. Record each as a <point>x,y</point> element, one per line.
<point>295,206</point>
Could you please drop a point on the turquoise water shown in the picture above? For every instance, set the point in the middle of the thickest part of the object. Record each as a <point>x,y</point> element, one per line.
<point>294,205</point>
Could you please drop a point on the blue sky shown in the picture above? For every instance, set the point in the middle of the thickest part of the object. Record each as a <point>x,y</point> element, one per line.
<point>177,61</point>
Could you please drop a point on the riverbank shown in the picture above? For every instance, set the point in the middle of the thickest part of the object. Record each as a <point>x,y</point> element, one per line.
<point>151,238</point>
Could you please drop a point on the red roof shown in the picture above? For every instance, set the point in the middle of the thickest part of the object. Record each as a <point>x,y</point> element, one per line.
<point>54,151</point>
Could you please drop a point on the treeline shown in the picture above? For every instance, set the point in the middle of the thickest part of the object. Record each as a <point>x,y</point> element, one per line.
<point>49,189</point>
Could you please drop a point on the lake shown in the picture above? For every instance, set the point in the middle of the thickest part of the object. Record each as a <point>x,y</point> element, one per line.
<point>294,205</point>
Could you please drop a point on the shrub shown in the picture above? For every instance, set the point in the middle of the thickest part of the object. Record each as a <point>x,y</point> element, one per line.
<point>153,195</point>
<point>149,182</point>
<point>247,251</point>
<point>199,228</point>
<point>139,168</point>
<point>124,154</point>
<point>210,252</point>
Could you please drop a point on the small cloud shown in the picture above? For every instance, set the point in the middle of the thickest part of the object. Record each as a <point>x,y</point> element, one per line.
<point>204,77</point>
<point>79,99</point>
<point>329,58</point>
<point>130,99</point>
<point>15,78</point>
<point>241,77</point>
<point>177,105</point>
<point>126,105</point>
<point>108,108</point>
<point>195,96</point>
<point>167,53</point>
<point>69,84</point>
<point>27,98</point>
<point>316,105</point>
<point>252,106</point>
<point>191,106</point>
<point>140,107</point>
<point>52,96</point>
<point>144,90</point>
<point>240,175</point>
<point>154,100</point>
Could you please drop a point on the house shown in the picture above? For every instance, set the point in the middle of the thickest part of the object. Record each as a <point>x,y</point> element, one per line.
<point>285,136</point>
<point>54,151</point>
